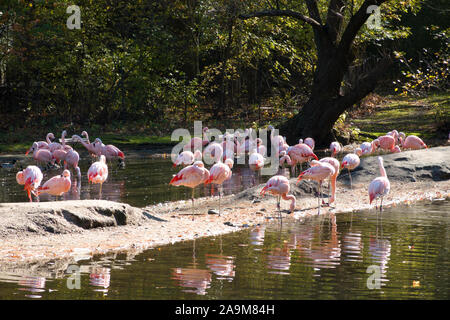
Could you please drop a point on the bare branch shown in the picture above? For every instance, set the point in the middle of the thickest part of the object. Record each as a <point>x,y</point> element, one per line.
<point>313,10</point>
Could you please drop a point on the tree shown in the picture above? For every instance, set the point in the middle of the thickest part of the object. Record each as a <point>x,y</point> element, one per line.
<point>335,54</point>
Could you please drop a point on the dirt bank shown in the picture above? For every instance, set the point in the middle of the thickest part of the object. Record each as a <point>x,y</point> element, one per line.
<point>40,233</point>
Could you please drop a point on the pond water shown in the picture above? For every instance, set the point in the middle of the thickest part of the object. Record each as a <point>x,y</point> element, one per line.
<point>326,257</point>
<point>143,181</point>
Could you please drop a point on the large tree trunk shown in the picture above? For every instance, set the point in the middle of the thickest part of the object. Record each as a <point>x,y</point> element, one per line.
<point>334,56</point>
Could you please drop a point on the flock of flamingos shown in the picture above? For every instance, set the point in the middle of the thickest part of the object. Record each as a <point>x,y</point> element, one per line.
<point>222,153</point>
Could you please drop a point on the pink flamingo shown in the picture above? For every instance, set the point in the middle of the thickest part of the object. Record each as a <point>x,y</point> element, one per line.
<point>213,152</point>
<point>219,173</point>
<point>40,155</point>
<point>191,177</point>
<point>31,177</point>
<point>260,147</point>
<point>255,161</point>
<point>186,158</point>
<point>279,186</point>
<point>57,185</point>
<point>332,183</point>
<point>300,153</point>
<point>385,143</point>
<point>44,144</point>
<point>88,145</point>
<point>335,147</point>
<point>379,187</point>
<point>397,149</point>
<point>285,159</point>
<point>318,172</point>
<point>310,142</point>
<point>350,161</point>
<point>197,143</point>
<point>109,151</point>
<point>52,146</point>
<point>367,148</point>
<point>71,160</point>
<point>413,142</point>
<point>276,140</point>
<point>98,172</point>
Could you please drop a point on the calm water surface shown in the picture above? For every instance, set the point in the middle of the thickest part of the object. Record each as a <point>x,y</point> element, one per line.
<point>316,258</point>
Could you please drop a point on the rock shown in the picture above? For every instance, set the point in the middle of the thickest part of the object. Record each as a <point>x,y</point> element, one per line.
<point>213,211</point>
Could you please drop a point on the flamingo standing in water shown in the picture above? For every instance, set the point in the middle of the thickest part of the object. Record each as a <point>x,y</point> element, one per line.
<point>87,144</point>
<point>279,186</point>
<point>350,161</point>
<point>57,185</point>
<point>109,151</point>
<point>213,153</point>
<point>40,155</point>
<point>98,172</point>
<point>379,187</point>
<point>31,177</point>
<point>318,172</point>
<point>413,142</point>
<point>197,143</point>
<point>219,173</point>
<point>186,158</point>
<point>191,177</point>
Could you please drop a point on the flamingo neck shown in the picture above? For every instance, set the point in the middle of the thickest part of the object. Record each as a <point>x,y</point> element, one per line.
<point>290,197</point>
<point>47,138</point>
<point>382,170</point>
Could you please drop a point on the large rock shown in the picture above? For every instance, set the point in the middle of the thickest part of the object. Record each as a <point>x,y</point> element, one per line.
<point>65,216</point>
<point>409,166</point>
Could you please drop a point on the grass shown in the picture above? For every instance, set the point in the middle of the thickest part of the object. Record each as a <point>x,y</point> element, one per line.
<point>427,117</point>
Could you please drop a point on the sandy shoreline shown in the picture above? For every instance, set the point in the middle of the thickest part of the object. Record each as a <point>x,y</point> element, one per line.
<point>167,223</point>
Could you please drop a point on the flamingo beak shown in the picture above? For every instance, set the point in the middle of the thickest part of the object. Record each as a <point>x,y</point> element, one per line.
<point>174,165</point>
<point>26,153</point>
<point>263,191</point>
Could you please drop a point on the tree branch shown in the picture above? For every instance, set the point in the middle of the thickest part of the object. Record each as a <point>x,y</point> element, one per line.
<point>334,19</point>
<point>280,13</point>
<point>313,10</point>
<point>355,23</point>
<point>366,85</point>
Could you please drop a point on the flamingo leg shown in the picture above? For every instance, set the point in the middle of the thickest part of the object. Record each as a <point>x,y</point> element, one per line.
<point>192,198</point>
<point>319,197</point>
<point>381,205</point>
<point>220,195</point>
<point>350,175</point>
<point>100,193</point>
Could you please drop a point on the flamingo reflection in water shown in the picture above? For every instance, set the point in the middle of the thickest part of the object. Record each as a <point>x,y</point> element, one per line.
<point>196,280</point>
<point>100,277</point>
<point>222,266</point>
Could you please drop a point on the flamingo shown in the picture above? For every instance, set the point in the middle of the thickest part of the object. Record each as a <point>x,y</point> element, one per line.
<point>44,144</point>
<point>310,142</point>
<point>300,153</point>
<point>98,172</point>
<point>332,183</point>
<point>350,161</point>
<point>219,173</point>
<point>413,142</point>
<point>260,148</point>
<point>31,177</point>
<point>255,161</point>
<point>109,151</point>
<point>318,172</point>
<point>285,159</point>
<point>88,145</point>
<point>57,185</point>
<point>197,143</point>
<point>367,148</point>
<point>214,152</point>
<point>385,143</point>
<point>379,187</point>
<point>276,140</point>
<point>52,146</point>
<point>71,160</point>
<point>40,155</point>
<point>335,147</point>
<point>395,134</point>
<point>279,186</point>
<point>186,158</point>
<point>191,176</point>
